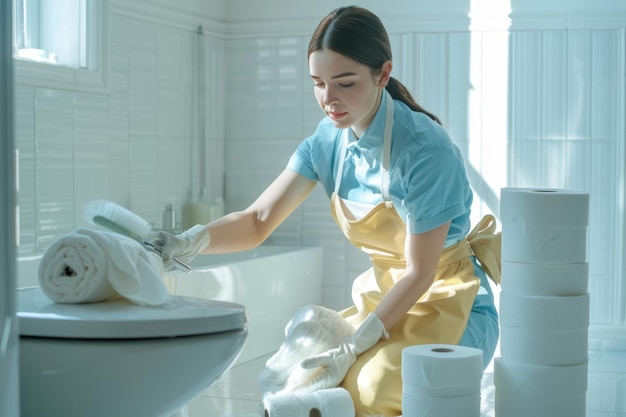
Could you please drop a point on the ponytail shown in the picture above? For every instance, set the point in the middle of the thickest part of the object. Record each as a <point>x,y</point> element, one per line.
<point>398,91</point>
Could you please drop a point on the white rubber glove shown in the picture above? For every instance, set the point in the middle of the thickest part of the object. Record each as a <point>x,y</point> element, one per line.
<point>336,362</point>
<point>184,246</point>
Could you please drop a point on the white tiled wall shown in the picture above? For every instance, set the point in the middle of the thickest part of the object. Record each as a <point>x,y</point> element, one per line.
<point>541,105</point>
<point>136,144</point>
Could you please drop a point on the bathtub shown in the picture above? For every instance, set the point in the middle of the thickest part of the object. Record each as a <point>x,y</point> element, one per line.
<point>272,282</point>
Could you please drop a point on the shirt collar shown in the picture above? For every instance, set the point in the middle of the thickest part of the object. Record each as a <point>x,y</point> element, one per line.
<point>375,132</point>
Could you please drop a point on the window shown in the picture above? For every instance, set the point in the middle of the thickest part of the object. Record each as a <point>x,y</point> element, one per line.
<point>57,32</point>
<point>61,43</point>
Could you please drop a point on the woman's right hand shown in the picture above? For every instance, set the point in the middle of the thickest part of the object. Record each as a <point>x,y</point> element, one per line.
<point>184,247</point>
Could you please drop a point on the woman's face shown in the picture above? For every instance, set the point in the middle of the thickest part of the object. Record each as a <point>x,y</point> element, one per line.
<point>345,89</point>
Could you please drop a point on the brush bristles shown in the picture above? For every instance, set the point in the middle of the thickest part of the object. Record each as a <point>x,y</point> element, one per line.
<point>119,215</point>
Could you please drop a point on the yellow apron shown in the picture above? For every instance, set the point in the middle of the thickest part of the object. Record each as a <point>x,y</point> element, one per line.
<point>439,316</point>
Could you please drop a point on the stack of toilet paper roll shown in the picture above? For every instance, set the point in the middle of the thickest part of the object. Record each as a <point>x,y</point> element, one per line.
<point>544,304</point>
<point>441,380</point>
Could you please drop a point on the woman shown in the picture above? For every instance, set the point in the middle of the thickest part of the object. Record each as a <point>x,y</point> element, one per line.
<point>399,192</point>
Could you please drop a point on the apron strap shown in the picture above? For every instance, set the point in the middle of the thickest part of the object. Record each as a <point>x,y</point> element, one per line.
<point>384,187</point>
<point>486,245</point>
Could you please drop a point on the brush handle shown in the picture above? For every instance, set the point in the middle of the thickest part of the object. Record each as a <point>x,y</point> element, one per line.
<point>179,264</point>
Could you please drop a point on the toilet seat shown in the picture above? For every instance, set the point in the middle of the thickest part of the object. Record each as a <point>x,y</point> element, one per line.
<point>120,319</point>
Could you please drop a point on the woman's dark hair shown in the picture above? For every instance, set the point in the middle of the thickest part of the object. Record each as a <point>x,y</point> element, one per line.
<point>359,34</point>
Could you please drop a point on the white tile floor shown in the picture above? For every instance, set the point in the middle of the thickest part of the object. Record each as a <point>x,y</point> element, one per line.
<point>236,393</point>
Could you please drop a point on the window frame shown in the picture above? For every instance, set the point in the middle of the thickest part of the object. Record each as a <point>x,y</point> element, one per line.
<point>42,74</point>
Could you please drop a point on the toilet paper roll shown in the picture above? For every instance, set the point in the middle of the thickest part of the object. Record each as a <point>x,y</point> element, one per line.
<point>555,348</point>
<point>555,280</point>
<point>548,206</point>
<point>544,226</point>
<point>544,314</point>
<point>333,402</point>
<point>539,391</point>
<point>441,370</point>
<point>428,406</point>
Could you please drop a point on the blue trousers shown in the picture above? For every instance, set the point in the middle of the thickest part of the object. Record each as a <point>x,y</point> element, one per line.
<point>482,331</point>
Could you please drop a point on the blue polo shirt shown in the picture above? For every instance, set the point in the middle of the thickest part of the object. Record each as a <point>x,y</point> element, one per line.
<point>428,184</point>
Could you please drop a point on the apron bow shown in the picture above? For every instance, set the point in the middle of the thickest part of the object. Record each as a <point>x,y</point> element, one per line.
<point>486,245</point>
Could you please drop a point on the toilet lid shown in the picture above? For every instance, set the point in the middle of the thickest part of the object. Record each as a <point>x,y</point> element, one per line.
<point>120,319</point>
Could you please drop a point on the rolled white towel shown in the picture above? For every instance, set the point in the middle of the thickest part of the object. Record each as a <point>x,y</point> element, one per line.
<point>87,266</point>
<point>332,402</point>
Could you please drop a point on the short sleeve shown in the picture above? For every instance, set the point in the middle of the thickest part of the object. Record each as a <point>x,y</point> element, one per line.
<point>316,156</point>
<point>436,189</point>
<point>302,162</point>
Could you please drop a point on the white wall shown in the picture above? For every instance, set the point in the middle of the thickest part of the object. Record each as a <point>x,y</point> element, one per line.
<point>533,99</point>
<point>285,9</point>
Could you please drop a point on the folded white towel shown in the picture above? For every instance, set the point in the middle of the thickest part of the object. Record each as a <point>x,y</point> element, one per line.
<point>86,266</point>
<point>333,402</point>
<point>311,331</point>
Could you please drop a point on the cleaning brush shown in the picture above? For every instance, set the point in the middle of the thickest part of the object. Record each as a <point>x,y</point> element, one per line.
<point>124,222</point>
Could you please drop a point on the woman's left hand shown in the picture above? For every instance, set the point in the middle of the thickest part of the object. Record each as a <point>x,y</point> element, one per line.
<point>336,362</point>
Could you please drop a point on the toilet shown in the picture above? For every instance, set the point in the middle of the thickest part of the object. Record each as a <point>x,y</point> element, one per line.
<point>121,359</point>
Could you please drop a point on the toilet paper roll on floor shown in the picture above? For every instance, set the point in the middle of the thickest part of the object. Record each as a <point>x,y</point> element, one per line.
<point>540,391</point>
<point>441,380</point>
<point>441,369</point>
<point>556,280</point>
<point>429,406</point>
<point>544,225</point>
<point>333,402</point>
